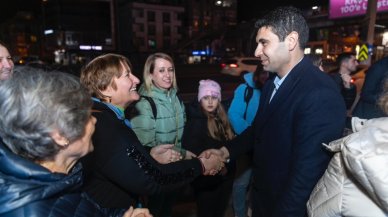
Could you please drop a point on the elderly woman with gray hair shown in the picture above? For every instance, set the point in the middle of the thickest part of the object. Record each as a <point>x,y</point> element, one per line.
<point>46,126</point>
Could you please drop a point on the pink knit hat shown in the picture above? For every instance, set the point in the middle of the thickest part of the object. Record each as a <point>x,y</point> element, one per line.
<point>209,88</point>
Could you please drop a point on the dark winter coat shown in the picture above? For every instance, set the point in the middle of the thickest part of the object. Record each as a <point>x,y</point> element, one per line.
<point>28,189</point>
<point>120,168</point>
<point>349,94</point>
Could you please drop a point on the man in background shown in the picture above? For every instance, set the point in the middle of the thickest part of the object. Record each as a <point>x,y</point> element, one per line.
<point>347,64</point>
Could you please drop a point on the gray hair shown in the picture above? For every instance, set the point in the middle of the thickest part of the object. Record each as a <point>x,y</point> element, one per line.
<point>34,103</point>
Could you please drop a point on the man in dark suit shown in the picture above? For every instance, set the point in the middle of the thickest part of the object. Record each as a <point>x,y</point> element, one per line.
<point>300,109</point>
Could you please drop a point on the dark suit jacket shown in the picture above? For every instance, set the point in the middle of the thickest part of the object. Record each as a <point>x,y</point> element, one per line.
<point>287,137</point>
<point>371,90</point>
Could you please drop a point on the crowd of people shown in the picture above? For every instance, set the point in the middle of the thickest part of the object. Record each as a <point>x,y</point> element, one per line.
<point>104,145</point>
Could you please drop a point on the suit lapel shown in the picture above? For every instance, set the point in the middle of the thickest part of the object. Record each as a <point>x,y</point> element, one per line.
<point>284,91</point>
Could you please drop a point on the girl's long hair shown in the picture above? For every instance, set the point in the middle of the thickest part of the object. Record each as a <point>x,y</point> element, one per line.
<point>218,124</point>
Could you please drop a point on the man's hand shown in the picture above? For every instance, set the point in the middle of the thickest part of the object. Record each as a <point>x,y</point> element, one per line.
<point>212,165</point>
<point>346,79</point>
<point>223,153</point>
<point>165,154</point>
<point>138,212</point>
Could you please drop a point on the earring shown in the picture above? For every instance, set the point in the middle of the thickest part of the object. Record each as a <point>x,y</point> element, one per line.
<point>66,143</point>
<point>109,99</point>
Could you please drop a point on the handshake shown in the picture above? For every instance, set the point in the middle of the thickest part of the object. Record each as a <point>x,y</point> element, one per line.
<point>213,160</point>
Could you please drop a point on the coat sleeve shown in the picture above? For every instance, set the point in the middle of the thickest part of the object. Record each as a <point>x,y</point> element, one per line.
<point>143,123</point>
<point>373,82</point>
<point>121,159</point>
<point>237,109</point>
<point>130,166</point>
<point>318,121</point>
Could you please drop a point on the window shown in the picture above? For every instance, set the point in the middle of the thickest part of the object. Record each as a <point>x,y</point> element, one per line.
<point>166,17</point>
<point>151,16</point>
<point>166,31</point>
<point>151,30</point>
<point>166,43</point>
<point>141,27</point>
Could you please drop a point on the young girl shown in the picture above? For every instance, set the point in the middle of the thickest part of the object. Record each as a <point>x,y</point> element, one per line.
<point>208,127</point>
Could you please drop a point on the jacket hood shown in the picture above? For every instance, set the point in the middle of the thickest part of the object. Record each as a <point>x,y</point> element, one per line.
<point>365,156</point>
<point>248,77</point>
<point>23,181</point>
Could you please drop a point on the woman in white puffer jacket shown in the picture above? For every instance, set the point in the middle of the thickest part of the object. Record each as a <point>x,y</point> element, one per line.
<point>356,180</point>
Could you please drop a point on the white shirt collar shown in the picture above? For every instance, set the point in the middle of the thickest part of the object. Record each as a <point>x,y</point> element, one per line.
<point>278,82</point>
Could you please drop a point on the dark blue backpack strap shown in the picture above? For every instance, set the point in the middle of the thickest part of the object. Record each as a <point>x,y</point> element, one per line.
<point>247,97</point>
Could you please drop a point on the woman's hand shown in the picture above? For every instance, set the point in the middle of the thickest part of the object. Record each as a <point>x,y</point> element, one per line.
<point>138,212</point>
<point>165,154</point>
<point>189,155</point>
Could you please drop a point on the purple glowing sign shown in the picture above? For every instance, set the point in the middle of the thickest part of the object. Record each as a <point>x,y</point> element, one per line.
<point>348,8</point>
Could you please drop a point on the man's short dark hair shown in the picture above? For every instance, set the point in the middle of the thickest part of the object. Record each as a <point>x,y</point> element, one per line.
<point>283,21</point>
<point>344,57</point>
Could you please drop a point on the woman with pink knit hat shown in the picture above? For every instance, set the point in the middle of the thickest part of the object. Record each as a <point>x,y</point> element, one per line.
<point>207,127</point>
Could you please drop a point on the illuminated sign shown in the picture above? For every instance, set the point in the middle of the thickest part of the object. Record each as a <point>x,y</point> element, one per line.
<point>48,31</point>
<point>90,47</point>
<point>198,53</point>
<point>349,8</point>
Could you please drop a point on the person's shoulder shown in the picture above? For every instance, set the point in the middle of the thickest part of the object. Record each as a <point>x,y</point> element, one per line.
<point>240,89</point>
<point>100,110</point>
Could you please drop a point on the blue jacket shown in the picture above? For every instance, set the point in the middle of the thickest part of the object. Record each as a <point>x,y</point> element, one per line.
<point>286,137</point>
<point>28,189</point>
<point>238,106</point>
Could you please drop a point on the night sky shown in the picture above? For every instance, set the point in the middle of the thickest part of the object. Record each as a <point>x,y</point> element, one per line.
<point>246,9</point>
<point>11,7</point>
<point>253,9</point>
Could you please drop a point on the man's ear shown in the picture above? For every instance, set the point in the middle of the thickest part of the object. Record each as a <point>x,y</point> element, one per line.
<point>292,40</point>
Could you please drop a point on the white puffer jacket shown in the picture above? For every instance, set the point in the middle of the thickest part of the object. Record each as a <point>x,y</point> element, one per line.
<point>356,180</point>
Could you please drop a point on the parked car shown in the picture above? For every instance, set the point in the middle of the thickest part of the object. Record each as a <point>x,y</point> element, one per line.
<point>239,65</point>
